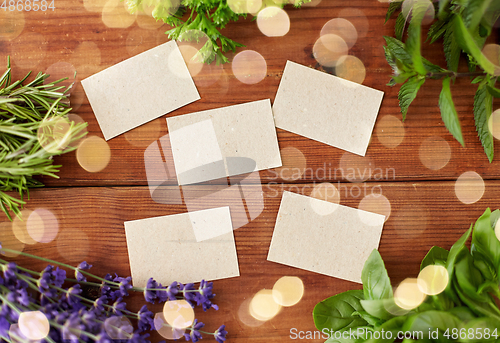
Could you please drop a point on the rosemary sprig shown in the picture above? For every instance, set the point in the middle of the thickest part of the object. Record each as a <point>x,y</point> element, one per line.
<point>33,129</point>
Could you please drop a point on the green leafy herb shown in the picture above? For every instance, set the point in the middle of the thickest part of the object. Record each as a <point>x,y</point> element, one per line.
<point>468,304</point>
<point>33,128</point>
<point>463,26</point>
<point>205,19</point>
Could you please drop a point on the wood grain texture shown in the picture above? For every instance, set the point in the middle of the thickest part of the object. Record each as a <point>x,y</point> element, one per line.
<point>91,207</point>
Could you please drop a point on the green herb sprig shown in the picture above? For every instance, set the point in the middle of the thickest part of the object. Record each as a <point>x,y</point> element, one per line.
<point>205,17</point>
<point>30,134</point>
<point>463,26</point>
<point>463,311</point>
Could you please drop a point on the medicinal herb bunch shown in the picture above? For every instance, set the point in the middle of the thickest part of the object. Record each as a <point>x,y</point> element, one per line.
<point>465,311</point>
<point>463,26</point>
<point>206,18</point>
<point>61,311</point>
<point>33,129</point>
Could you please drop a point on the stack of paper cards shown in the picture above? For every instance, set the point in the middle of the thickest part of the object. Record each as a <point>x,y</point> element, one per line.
<point>222,142</point>
<point>140,89</point>
<point>324,237</point>
<point>326,108</point>
<point>185,247</point>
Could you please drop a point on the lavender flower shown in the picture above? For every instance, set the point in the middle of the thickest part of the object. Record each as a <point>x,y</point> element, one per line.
<point>220,334</point>
<point>75,318</point>
<point>194,335</point>
<point>82,266</point>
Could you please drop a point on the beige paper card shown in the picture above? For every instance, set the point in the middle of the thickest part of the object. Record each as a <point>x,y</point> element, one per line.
<point>326,108</point>
<point>324,237</point>
<point>224,142</point>
<point>140,89</point>
<point>186,247</point>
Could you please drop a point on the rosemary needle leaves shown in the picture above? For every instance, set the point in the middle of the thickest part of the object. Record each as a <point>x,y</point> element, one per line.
<point>33,128</point>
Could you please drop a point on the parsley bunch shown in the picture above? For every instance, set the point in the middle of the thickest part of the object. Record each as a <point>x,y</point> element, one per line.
<point>206,17</point>
<point>463,27</point>
<point>32,131</point>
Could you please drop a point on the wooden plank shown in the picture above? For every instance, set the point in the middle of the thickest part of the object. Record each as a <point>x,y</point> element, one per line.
<point>91,228</point>
<point>64,30</point>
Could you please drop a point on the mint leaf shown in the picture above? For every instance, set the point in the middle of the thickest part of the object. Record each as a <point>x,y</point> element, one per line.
<point>493,91</point>
<point>437,30</point>
<point>393,7</point>
<point>414,36</point>
<point>483,107</point>
<point>408,92</point>
<point>451,48</point>
<point>474,12</point>
<point>467,43</point>
<point>443,7</point>
<point>400,26</point>
<point>398,50</point>
<point>449,113</point>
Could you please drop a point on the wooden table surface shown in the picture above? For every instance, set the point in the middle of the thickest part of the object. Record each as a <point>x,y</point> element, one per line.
<point>91,207</point>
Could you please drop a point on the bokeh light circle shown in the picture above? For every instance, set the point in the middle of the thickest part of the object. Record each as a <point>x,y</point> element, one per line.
<point>178,313</point>
<point>9,240</point>
<point>350,68</point>
<point>244,6</point>
<point>433,279</point>
<point>115,14</point>
<point>374,203</point>
<point>469,187</point>
<point>434,152</point>
<point>165,330</point>
<point>408,295</point>
<point>494,124</point>
<point>11,24</point>
<point>42,225</point>
<point>34,325</point>
<point>19,227</point>
<point>329,194</point>
<point>390,131</point>
<point>293,164</point>
<point>118,327</point>
<point>342,28</point>
<point>93,154</point>
<point>249,67</point>
<point>356,168</point>
<point>328,49</point>
<point>273,22</point>
<point>263,307</point>
<point>54,134</point>
<point>288,291</point>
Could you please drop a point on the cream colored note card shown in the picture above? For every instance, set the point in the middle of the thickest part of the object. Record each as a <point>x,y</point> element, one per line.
<point>326,108</point>
<point>186,247</point>
<point>223,142</point>
<point>324,237</point>
<point>140,89</point>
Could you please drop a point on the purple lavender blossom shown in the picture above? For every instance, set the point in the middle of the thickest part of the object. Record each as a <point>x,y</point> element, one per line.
<point>82,266</point>
<point>220,334</point>
<point>145,321</point>
<point>194,335</point>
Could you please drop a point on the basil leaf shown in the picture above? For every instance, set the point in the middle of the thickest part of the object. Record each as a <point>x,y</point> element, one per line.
<point>468,276</point>
<point>376,282</point>
<point>377,308</point>
<point>436,255</point>
<point>431,320</point>
<point>463,313</point>
<point>479,326</point>
<point>450,263</point>
<point>394,326</point>
<point>336,313</point>
<point>485,241</point>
